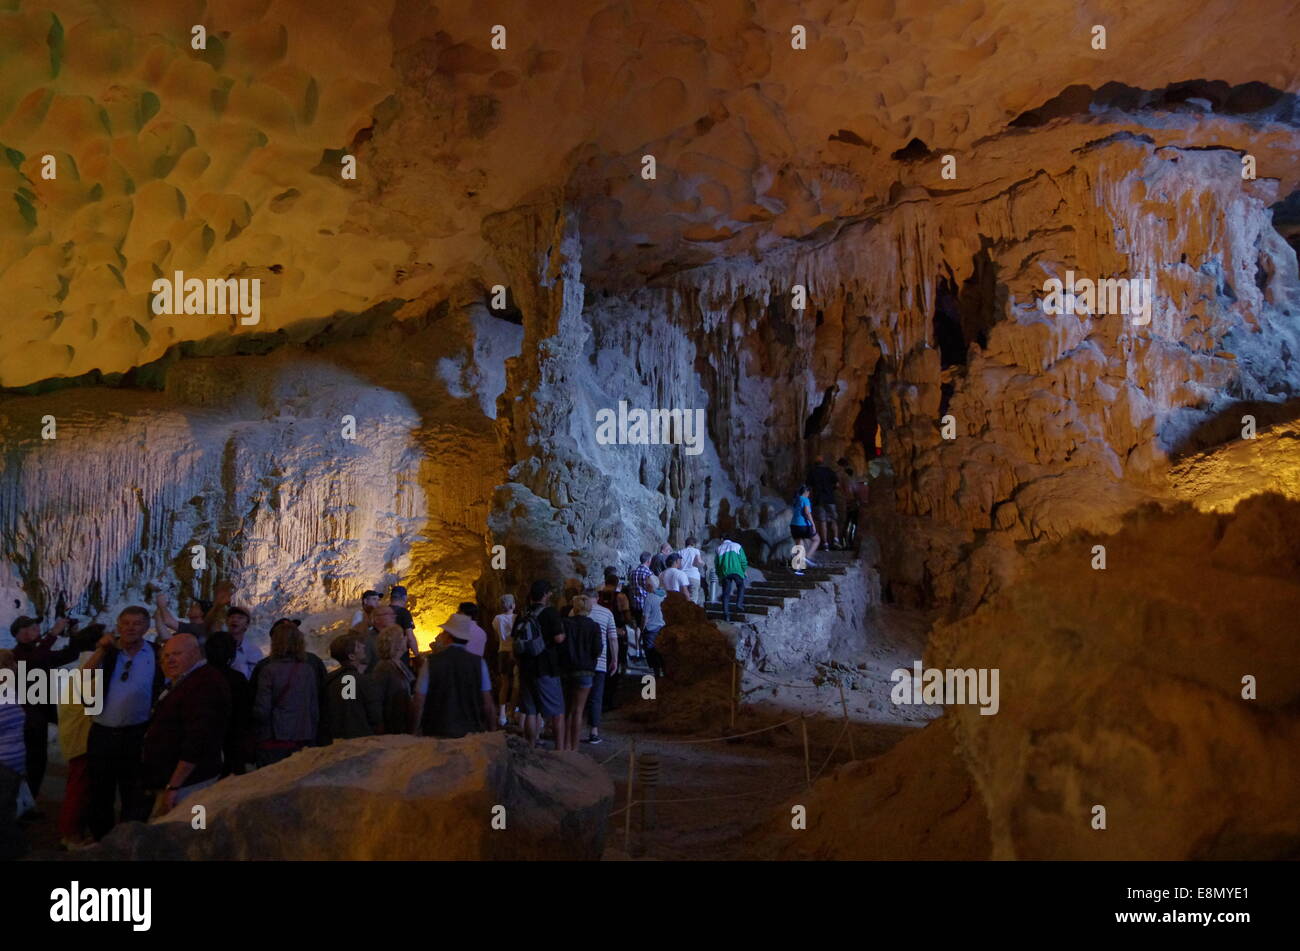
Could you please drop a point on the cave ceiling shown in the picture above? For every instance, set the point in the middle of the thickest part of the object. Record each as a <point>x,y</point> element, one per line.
<point>227,161</point>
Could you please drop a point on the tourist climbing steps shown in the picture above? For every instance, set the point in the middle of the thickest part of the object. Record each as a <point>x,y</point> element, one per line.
<point>783,587</point>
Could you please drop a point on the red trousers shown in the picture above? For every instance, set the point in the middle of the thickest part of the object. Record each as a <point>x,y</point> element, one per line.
<point>72,815</point>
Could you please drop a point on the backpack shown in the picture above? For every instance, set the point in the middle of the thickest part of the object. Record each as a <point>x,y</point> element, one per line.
<point>527,635</point>
<point>583,638</point>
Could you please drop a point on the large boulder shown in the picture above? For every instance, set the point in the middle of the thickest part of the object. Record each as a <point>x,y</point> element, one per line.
<point>699,656</point>
<point>390,797</point>
<point>917,801</point>
<point>1163,688</point>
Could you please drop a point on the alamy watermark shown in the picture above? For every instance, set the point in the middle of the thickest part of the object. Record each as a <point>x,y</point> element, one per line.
<point>947,686</point>
<point>35,685</point>
<point>78,904</point>
<point>231,295</point>
<point>656,427</point>
<point>1130,297</point>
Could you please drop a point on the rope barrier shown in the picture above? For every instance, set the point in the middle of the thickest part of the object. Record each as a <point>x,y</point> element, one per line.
<point>806,783</point>
<point>844,729</point>
<point>740,795</point>
<point>610,759</point>
<point>778,683</point>
<point>734,736</point>
<point>704,739</point>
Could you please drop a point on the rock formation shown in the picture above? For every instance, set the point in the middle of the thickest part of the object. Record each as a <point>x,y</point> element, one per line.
<point>392,798</point>
<point>916,802</point>
<point>1162,688</point>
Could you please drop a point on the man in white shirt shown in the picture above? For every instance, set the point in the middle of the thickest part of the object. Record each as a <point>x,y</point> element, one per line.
<point>246,655</point>
<point>132,680</point>
<point>673,578</point>
<point>692,562</point>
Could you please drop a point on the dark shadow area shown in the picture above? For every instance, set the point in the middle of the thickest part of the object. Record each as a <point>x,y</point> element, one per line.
<point>1286,220</point>
<point>511,313</point>
<point>817,420</point>
<point>982,299</point>
<point>946,390</point>
<point>849,137</point>
<point>864,427</point>
<point>964,314</point>
<point>913,151</point>
<point>313,334</point>
<point>1192,95</point>
<point>948,336</point>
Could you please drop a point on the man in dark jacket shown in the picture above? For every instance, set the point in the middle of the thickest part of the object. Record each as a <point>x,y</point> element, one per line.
<point>352,706</point>
<point>132,681</point>
<point>660,561</point>
<point>453,695</point>
<point>38,653</point>
<point>219,649</point>
<point>182,748</point>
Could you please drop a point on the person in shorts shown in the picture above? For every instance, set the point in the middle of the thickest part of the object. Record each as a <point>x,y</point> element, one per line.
<point>540,678</point>
<point>507,674</point>
<point>802,527</point>
<point>584,641</point>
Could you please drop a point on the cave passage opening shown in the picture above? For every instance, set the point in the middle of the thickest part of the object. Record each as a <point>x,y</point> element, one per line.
<point>821,414</point>
<point>948,334</point>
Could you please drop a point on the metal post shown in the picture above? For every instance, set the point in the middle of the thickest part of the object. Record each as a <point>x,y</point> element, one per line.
<point>807,763</point>
<point>734,665</point>
<point>844,704</point>
<point>627,813</point>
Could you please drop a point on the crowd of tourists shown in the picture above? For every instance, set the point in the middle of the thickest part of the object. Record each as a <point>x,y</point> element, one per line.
<point>198,700</point>
<point>184,702</point>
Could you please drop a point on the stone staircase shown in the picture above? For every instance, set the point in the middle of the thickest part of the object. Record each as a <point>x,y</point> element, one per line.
<point>782,587</point>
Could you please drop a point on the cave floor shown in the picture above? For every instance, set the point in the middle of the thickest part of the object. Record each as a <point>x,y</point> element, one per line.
<point>733,793</point>
<point>736,793</point>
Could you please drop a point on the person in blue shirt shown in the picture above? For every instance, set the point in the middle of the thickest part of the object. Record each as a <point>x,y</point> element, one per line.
<point>802,527</point>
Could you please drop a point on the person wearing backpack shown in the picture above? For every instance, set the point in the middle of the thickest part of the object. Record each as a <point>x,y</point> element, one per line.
<point>538,638</point>
<point>585,642</point>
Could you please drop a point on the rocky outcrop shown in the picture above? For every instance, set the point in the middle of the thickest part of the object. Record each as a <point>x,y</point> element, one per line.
<point>392,798</point>
<point>806,630</point>
<point>699,657</point>
<point>1162,689</point>
<point>915,802</point>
